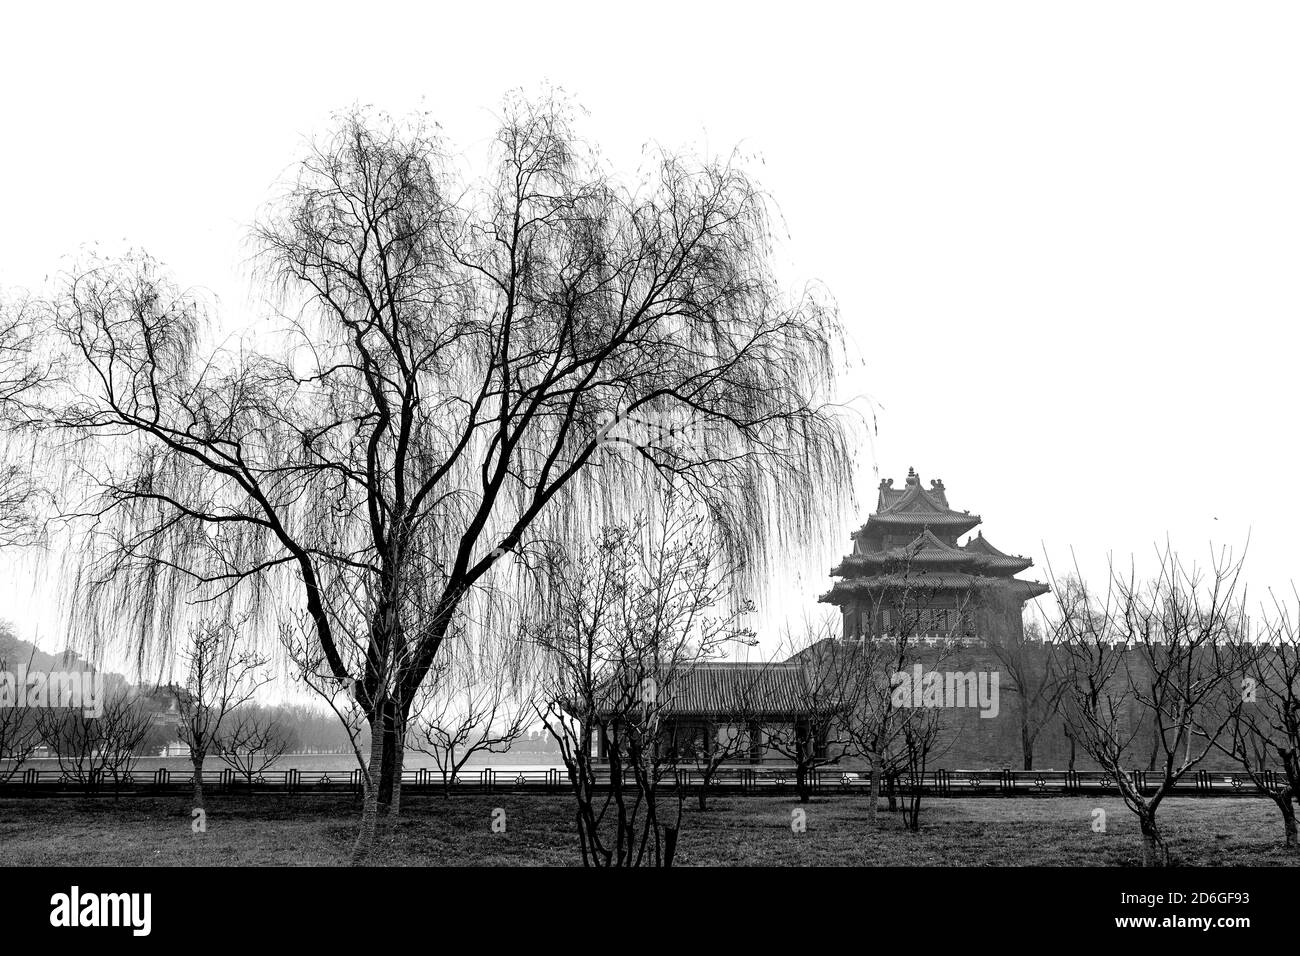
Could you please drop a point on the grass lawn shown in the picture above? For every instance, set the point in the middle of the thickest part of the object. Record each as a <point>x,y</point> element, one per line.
<point>735,831</point>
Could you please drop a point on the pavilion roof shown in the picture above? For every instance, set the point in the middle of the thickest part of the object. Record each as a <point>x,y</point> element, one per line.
<point>738,688</point>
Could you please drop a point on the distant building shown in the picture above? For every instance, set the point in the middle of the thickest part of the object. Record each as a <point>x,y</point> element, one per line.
<point>908,576</point>
<point>726,699</point>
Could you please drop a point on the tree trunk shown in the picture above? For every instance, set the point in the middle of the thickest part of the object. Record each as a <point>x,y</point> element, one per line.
<point>365,842</point>
<point>1288,822</point>
<point>670,845</point>
<point>874,798</point>
<point>1154,851</point>
<point>912,811</point>
<point>399,759</point>
<point>388,760</point>
<point>198,781</point>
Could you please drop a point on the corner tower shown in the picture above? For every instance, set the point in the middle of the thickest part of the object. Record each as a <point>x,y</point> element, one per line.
<point>907,573</point>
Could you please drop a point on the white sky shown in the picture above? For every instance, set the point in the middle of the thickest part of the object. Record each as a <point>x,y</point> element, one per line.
<point>1065,237</point>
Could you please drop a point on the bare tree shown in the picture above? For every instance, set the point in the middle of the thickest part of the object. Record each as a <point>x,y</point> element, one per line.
<point>620,626</point>
<point>1147,661</point>
<point>221,673</point>
<point>19,738</point>
<point>872,724</point>
<point>87,747</point>
<point>462,366</point>
<point>472,702</point>
<point>1264,703</point>
<point>1033,676</point>
<point>895,734</point>
<point>728,734</point>
<point>23,373</point>
<point>924,736</point>
<point>124,727</point>
<point>252,743</point>
<point>19,731</point>
<point>818,736</point>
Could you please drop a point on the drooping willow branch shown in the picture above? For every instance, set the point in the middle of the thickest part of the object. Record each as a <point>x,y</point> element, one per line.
<point>437,403</point>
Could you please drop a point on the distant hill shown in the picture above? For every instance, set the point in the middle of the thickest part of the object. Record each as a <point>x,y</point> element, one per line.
<point>16,653</point>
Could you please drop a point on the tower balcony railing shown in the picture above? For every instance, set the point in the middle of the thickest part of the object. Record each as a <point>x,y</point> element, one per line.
<point>920,639</point>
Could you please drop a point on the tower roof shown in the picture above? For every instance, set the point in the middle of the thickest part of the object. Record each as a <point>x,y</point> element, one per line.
<point>926,552</point>
<point>993,559</point>
<point>913,506</point>
<point>853,590</point>
<point>923,551</point>
<point>931,558</point>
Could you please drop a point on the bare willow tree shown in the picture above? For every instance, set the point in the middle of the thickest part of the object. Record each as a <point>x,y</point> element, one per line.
<point>1263,734</point>
<point>620,627</point>
<point>458,363</point>
<point>222,671</point>
<point>24,372</point>
<point>1145,665</point>
<point>474,701</point>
